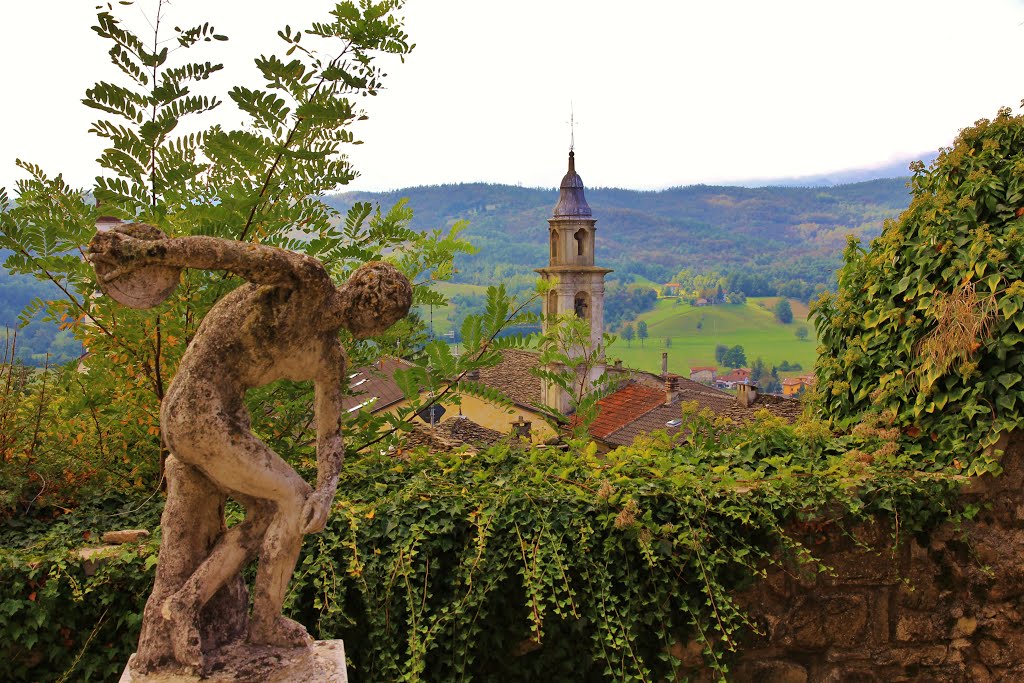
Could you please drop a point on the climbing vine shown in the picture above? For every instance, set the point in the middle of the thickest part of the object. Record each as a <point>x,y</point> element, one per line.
<point>927,328</point>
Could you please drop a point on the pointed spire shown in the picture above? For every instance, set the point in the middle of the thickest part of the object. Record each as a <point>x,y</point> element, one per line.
<point>571,201</point>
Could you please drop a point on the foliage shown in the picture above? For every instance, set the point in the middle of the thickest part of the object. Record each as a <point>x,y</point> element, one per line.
<point>720,351</point>
<point>926,328</point>
<point>641,331</point>
<point>735,357</point>
<point>569,361</point>
<point>801,332</point>
<point>38,343</point>
<point>769,241</point>
<point>628,333</point>
<point>65,619</point>
<point>783,311</point>
<point>260,183</point>
<point>510,564</point>
<point>626,303</point>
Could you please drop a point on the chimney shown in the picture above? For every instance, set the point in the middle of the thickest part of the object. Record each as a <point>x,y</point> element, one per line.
<point>521,428</point>
<point>664,363</point>
<point>671,387</point>
<point>618,364</point>
<point>746,394</point>
<point>104,223</point>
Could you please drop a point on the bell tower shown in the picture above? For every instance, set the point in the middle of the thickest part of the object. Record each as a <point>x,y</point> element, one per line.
<point>579,284</point>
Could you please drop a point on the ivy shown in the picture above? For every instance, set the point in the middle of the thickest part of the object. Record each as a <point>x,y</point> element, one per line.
<point>512,563</point>
<point>925,330</point>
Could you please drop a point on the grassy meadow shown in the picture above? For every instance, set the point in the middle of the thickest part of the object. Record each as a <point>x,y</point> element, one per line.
<point>694,332</point>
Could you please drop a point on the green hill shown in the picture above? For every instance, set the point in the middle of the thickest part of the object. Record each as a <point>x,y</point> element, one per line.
<point>693,333</point>
<point>771,234</point>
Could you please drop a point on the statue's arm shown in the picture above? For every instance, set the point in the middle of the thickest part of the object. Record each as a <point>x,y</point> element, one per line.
<point>330,449</point>
<point>121,253</point>
<point>327,391</point>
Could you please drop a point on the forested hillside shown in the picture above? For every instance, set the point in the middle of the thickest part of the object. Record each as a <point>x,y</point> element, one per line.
<point>31,343</point>
<point>773,240</point>
<point>771,234</point>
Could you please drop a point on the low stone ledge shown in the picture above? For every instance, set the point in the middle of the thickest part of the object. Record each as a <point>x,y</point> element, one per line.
<point>323,662</point>
<point>123,536</point>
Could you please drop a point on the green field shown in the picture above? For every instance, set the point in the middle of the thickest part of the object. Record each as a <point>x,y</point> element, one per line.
<point>751,325</point>
<point>444,316</point>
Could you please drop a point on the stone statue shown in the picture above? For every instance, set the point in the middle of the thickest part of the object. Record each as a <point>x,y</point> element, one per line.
<point>282,324</point>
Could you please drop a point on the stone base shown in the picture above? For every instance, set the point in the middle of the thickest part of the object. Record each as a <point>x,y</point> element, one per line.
<point>324,662</point>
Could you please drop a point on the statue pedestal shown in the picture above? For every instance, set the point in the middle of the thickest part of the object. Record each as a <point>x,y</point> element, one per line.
<point>324,662</point>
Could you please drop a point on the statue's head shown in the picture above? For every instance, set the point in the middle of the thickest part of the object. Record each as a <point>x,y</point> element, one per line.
<point>374,298</point>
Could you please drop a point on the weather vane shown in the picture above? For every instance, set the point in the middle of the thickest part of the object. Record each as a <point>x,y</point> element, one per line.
<point>572,127</point>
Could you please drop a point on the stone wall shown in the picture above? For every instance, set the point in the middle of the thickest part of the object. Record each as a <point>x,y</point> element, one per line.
<point>945,608</point>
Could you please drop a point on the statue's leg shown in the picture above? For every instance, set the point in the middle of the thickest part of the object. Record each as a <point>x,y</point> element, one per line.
<point>237,461</point>
<point>235,548</point>
<point>192,523</point>
<point>280,551</point>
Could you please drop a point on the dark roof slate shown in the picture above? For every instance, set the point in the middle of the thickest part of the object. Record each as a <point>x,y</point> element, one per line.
<point>461,428</point>
<point>374,383</point>
<point>512,376</point>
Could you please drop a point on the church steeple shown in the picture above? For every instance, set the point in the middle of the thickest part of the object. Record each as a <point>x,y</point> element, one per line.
<point>571,201</point>
<point>578,284</point>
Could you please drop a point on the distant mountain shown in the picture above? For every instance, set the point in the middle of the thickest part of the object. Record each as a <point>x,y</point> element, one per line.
<point>895,169</point>
<point>776,234</point>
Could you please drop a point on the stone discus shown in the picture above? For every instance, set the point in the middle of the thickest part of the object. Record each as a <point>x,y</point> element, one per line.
<point>144,287</point>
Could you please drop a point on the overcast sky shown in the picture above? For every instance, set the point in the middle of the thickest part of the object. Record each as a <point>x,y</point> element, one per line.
<point>665,93</point>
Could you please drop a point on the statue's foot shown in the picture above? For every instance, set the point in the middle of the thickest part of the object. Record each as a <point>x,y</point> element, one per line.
<point>278,631</point>
<point>184,631</point>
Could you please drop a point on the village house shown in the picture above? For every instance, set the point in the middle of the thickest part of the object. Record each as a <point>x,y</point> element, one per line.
<point>703,374</point>
<point>734,377</point>
<point>794,386</point>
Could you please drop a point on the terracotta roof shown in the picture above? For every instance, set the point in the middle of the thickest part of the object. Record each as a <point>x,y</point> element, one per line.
<point>637,422</point>
<point>624,406</point>
<point>702,368</point>
<point>374,387</point>
<point>737,375</point>
<point>512,376</point>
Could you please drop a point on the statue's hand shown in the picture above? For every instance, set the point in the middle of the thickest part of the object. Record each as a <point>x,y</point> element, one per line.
<point>114,254</point>
<point>316,511</point>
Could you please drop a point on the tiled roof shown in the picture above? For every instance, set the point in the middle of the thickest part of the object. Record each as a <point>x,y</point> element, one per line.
<point>374,387</point>
<point>624,406</point>
<point>461,428</point>
<point>512,376</point>
<point>645,424</point>
<point>433,440</point>
<point>633,423</point>
<point>735,376</point>
<point>453,433</point>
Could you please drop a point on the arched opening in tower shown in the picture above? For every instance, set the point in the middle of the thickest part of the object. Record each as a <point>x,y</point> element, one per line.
<point>581,305</point>
<point>552,304</point>
<point>554,245</point>
<point>580,237</point>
